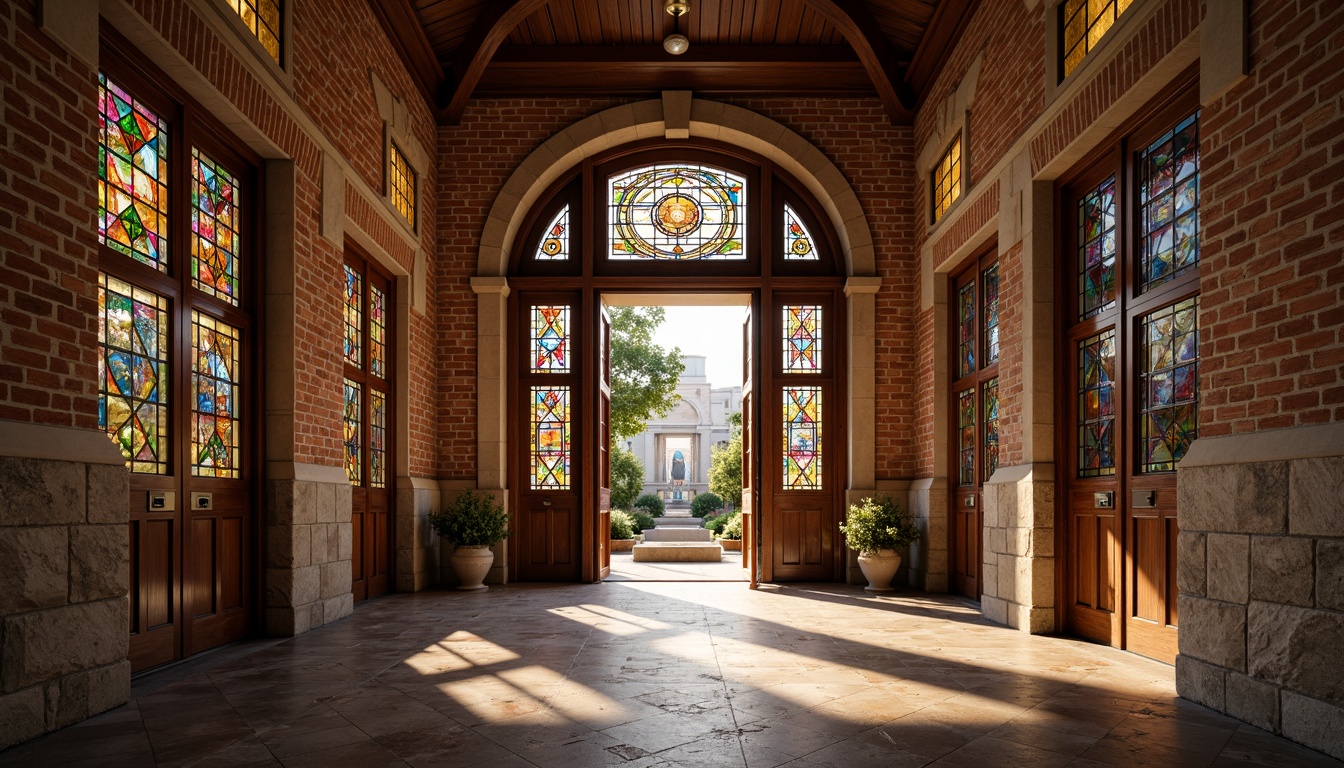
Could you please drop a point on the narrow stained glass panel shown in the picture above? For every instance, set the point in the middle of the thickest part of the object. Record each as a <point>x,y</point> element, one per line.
<point>802,438</point>
<point>1096,405</point>
<point>353,420</point>
<point>966,330</point>
<point>133,176</point>
<point>215,239</point>
<point>377,439</point>
<point>550,438</point>
<point>989,297</point>
<point>262,18</point>
<point>966,437</point>
<point>1096,249</point>
<point>989,404</point>
<point>215,413</point>
<point>133,388</point>
<point>377,332</point>
<point>555,240</point>
<point>947,180</point>
<point>802,339</point>
<point>354,317</point>
<point>401,182</point>
<point>798,242</point>
<point>1169,204</point>
<point>550,339</point>
<point>1169,418</point>
<point>678,213</point>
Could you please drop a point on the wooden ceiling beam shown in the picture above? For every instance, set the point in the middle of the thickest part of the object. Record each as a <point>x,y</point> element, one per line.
<point>403,28</point>
<point>491,29</point>
<point>856,23</point>
<point>949,21</point>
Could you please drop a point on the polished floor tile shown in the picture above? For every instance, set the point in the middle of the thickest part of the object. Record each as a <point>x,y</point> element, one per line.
<point>642,674</point>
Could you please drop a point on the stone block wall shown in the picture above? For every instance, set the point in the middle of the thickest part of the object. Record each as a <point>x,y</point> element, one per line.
<point>1261,577</point>
<point>926,563</point>
<point>308,548</point>
<point>1018,548</point>
<point>64,569</point>
<point>417,546</point>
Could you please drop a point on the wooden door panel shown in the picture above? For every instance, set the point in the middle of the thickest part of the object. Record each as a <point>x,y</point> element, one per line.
<point>550,535</point>
<point>802,540</point>
<point>358,543</point>
<point>200,563</point>
<point>966,532</point>
<point>1152,617</point>
<point>217,562</point>
<point>379,553</point>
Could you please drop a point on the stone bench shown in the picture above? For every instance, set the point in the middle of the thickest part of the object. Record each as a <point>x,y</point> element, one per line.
<point>678,552</point>
<point>662,533</point>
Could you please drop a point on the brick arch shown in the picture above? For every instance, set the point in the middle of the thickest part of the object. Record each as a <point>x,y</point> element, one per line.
<point>646,119</point>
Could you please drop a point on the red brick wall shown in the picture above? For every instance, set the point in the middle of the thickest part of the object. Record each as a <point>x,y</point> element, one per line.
<point>1272,209</point>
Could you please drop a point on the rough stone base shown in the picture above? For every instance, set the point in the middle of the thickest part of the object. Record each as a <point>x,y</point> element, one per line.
<point>1018,547</point>
<point>308,548</point>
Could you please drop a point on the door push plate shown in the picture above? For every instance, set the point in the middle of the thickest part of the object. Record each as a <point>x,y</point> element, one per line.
<point>202,502</point>
<point>969,502</point>
<point>1103,499</point>
<point>1143,499</point>
<point>162,501</point>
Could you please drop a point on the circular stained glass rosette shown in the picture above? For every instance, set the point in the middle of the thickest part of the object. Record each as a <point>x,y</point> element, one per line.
<point>678,213</point>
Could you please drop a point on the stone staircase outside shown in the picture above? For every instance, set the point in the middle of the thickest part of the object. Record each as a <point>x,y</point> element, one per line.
<point>678,538</point>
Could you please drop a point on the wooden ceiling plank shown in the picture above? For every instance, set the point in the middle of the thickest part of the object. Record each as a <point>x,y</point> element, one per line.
<point>496,20</point>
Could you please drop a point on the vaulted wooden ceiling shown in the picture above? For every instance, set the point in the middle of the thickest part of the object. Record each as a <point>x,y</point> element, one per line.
<point>464,49</point>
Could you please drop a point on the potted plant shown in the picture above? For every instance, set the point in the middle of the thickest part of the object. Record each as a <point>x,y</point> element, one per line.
<point>622,531</point>
<point>472,524</point>
<point>876,528</point>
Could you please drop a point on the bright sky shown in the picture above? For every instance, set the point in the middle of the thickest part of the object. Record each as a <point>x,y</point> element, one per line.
<point>715,332</point>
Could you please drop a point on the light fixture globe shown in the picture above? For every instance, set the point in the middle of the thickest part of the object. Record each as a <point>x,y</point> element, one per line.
<point>676,44</point>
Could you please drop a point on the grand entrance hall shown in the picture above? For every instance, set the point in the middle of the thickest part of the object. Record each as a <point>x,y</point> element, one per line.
<point>283,279</point>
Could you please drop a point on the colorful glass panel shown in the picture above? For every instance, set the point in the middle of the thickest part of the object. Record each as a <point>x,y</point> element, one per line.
<point>798,242</point>
<point>133,388</point>
<point>133,176</point>
<point>555,240</point>
<point>262,18</point>
<point>966,437</point>
<point>1169,419</point>
<point>802,438</point>
<point>353,420</point>
<point>1169,204</point>
<point>354,317</point>
<point>989,297</point>
<point>1096,249</point>
<point>550,339</point>
<point>215,239</point>
<point>678,213</point>
<point>1085,22</point>
<point>377,332</point>
<point>550,438</point>
<point>377,439</point>
<point>947,180</point>
<point>1096,405</point>
<point>215,378</point>
<point>966,330</point>
<point>401,182</point>
<point>802,339</point>
<point>989,404</point>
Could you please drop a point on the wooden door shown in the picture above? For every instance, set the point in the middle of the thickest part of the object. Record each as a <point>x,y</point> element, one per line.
<point>548,545</point>
<point>604,443</point>
<point>751,557</point>
<point>366,409</point>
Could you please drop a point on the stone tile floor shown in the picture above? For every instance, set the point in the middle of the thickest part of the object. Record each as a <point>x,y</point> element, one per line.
<point>624,568</point>
<point>662,674</point>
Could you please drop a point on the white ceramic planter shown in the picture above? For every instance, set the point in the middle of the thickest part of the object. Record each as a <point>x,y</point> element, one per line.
<point>471,565</point>
<point>879,569</point>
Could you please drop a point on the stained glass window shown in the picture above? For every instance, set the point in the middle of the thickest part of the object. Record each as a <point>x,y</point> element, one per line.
<point>214,227</point>
<point>262,17</point>
<point>550,339</point>
<point>550,438</point>
<point>401,183</point>
<point>966,437</point>
<point>1085,22</point>
<point>798,242</point>
<point>989,296</point>
<point>1096,249</point>
<point>678,212</point>
<point>133,388</point>
<point>377,332</point>
<point>802,438</point>
<point>377,439</point>
<point>555,240</point>
<point>802,339</point>
<point>966,330</point>
<point>989,404</point>
<point>133,176</point>
<point>215,380</point>
<point>1169,385</point>
<point>947,180</point>
<point>1096,405</point>
<point>354,317</point>
<point>353,420</point>
<point>1169,192</point>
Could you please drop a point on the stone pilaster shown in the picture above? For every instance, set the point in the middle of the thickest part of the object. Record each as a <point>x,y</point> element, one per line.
<point>928,563</point>
<point>417,546</point>
<point>308,547</point>
<point>1018,548</point>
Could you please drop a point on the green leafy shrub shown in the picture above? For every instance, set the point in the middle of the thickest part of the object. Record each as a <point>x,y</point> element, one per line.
<point>642,520</point>
<point>649,502</point>
<point>872,525</point>
<point>622,526</point>
<point>705,503</point>
<point>472,520</point>
<point>732,527</point>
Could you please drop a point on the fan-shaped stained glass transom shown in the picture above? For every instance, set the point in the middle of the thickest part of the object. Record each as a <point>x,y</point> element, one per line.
<point>677,212</point>
<point>799,244</point>
<point>555,240</point>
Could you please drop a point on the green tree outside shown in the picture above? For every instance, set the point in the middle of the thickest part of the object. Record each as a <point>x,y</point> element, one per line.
<point>725,465</point>
<point>644,376</point>
<point>627,476</point>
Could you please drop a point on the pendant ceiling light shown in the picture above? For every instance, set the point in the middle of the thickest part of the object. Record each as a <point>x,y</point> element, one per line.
<point>676,43</point>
